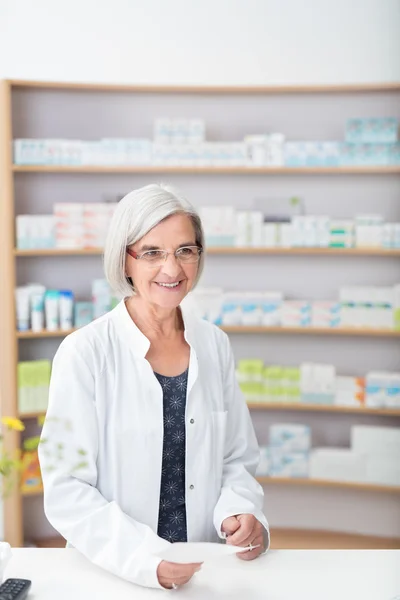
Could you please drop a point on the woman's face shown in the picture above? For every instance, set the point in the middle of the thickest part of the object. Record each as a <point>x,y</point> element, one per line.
<point>172,233</point>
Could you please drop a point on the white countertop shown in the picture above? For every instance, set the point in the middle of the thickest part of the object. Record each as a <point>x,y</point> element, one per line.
<point>64,574</point>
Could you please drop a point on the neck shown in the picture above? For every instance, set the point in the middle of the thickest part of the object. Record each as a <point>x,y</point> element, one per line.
<point>153,320</point>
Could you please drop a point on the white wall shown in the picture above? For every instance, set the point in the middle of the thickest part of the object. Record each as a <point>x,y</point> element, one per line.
<point>201,41</point>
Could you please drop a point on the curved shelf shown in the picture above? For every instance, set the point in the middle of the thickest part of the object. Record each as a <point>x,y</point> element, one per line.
<point>227,251</point>
<point>362,410</point>
<point>209,170</point>
<point>368,487</point>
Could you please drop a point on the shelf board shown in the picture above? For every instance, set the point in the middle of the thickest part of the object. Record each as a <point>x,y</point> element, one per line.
<point>363,410</point>
<point>368,487</point>
<point>58,252</point>
<point>212,89</point>
<point>32,493</point>
<point>313,330</point>
<point>242,329</point>
<point>227,251</point>
<point>145,169</point>
<point>317,539</point>
<point>43,334</point>
<point>31,415</point>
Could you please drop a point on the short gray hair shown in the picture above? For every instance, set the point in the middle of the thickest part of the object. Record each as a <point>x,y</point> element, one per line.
<point>135,215</point>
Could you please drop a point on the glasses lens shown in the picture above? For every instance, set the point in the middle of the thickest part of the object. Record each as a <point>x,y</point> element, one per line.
<point>154,257</point>
<point>188,254</point>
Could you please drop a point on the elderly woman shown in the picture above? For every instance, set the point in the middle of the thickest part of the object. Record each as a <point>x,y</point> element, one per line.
<point>162,439</point>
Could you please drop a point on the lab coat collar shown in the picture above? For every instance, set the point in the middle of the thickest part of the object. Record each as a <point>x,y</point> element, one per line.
<point>137,341</point>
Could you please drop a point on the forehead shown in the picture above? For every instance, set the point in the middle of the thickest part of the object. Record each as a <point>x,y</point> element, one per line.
<point>173,231</point>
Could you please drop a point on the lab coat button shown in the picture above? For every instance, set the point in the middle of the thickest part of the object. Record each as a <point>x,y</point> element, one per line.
<point>192,487</point>
<point>192,421</point>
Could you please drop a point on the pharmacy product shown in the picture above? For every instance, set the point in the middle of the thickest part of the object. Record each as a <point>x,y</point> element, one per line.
<point>37,293</point>
<point>83,313</point>
<point>101,297</point>
<point>51,303</point>
<point>290,437</point>
<point>22,301</point>
<point>66,299</point>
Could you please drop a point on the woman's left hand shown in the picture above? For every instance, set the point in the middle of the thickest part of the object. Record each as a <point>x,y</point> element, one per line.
<point>243,530</point>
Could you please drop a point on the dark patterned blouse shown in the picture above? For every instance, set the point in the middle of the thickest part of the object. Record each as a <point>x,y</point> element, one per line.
<point>172,512</point>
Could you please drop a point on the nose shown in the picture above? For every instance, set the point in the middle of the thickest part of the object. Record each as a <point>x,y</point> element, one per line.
<point>171,267</point>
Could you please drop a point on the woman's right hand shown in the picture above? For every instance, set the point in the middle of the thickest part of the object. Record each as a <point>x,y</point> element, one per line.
<point>169,573</point>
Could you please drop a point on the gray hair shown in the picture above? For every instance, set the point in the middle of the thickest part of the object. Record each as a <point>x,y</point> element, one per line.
<point>135,215</point>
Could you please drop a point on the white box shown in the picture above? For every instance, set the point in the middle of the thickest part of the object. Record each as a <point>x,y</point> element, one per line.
<point>290,437</point>
<point>370,440</point>
<point>288,464</point>
<point>384,470</point>
<point>338,464</point>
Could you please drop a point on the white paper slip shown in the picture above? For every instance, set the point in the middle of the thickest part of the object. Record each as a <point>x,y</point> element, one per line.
<point>197,552</point>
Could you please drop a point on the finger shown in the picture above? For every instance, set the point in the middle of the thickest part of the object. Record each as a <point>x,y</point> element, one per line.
<point>246,530</point>
<point>230,525</point>
<point>252,554</point>
<point>183,570</point>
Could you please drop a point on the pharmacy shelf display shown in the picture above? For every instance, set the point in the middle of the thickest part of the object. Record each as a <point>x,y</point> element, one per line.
<point>230,251</point>
<point>242,329</point>
<point>9,340</point>
<point>293,481</point>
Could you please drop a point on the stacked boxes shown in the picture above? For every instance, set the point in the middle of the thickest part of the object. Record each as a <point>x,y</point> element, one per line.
<point>381,448</point>
<point>33,386</point>
<point>289,450</point>
<point>80,225</point>
<point>382,389</point>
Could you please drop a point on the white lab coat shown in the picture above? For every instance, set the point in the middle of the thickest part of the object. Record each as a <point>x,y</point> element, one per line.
<point>105,424</point>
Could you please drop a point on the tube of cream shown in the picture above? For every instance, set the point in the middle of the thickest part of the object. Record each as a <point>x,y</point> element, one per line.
<point>22,307</point>
<point>51,302</point>
<point>66,309</point>
<point>37,293</point>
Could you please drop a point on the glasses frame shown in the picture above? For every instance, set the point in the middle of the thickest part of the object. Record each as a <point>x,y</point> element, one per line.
<point>166,254</point>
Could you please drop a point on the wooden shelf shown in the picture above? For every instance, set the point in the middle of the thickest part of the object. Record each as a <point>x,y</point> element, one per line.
<point>314,330</point>
<point>32,493</point>
<point>31,415</point>
<point>227,251</point>
<point>212,89</point>
<point>298,406</point>
<point>26,335</point>
<point>367,487</point>
<point>316,539</point>
<point>373,170</point>
<point>22,335</point>
<point>58,252</point>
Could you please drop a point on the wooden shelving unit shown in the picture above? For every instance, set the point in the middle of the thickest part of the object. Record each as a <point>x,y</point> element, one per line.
<point>371,487</point>
<point>297,407</point>
<point>300,407</point>
<point>366,487</point>
<point>395,252</point>
<point>9,255</point>
<point>241,329</point>
<point>107,169</point>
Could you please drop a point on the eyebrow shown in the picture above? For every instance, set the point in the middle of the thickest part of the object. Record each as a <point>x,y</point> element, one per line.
<point>146,248</point>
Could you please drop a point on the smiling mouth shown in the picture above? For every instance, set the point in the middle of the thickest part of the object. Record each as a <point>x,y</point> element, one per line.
<point>169,286</point>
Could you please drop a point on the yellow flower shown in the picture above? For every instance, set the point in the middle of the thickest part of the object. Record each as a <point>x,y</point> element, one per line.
<point>12,423</point>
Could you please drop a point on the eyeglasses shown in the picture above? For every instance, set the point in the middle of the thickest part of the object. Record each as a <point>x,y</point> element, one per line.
<point>156,258</point>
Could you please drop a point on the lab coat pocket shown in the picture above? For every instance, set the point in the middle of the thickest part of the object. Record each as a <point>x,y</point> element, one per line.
<point>219,419</point>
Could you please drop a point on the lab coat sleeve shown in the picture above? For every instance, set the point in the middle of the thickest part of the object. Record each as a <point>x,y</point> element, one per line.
<point>99,529</point>
<point>240,491</point>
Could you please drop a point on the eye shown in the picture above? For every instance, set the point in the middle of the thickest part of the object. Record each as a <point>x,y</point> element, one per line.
<point>187,251</point>
<point>152,254</point>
